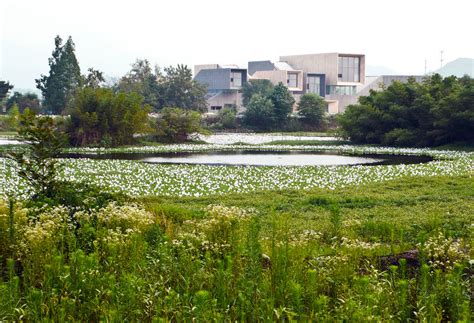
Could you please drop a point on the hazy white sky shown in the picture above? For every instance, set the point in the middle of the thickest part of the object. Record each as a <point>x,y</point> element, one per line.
<point>110,35</point>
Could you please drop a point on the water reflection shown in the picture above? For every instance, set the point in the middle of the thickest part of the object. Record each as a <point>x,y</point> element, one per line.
<point>261,158</point>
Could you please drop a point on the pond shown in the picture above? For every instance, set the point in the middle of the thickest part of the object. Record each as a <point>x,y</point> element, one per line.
<point>261,158</point>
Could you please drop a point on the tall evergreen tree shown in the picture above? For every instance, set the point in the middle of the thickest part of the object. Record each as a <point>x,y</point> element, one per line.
<point>64,77</point>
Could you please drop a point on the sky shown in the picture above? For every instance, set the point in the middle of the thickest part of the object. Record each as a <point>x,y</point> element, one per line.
<point>111,35</point>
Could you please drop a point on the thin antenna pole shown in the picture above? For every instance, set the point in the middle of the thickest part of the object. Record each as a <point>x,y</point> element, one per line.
<point>441,58</point>
<point>426,66</point>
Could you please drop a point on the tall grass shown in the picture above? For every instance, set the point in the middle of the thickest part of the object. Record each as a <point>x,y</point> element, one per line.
<point>239,261</point>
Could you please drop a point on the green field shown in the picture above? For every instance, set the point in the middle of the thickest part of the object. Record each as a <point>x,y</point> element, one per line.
<point>215,243</point>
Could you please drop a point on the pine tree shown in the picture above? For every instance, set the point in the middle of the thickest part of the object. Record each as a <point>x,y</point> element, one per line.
<point>64,77</point>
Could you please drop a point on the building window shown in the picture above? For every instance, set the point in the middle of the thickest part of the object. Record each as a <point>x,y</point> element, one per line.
<point>216,107</point>
<point>314,84</point>
<point>292,80</point>
<point>236,79</point>
<point>348,69</point>
<point>341,90</point>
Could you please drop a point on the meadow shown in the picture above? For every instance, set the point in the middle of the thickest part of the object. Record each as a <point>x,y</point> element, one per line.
<point>215,243</point>
<point>140,179</point>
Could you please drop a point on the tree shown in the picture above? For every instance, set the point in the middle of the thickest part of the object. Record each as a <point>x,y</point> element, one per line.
<point>175,124</point>
<point>37,163</point>
<point>259,113</point>
<point>435,112</point>
<point>5,87</point>
<point>101,117</point>
<point>178,89</point>
<point>93,79</point>
<point>28,100</point>
<point>64,77</point>
<point>262,87</point>
<point>283,102</point>
<point>13,117</point>
<point>311,109</point>
<point>142,80</point>
<point>228,118</point>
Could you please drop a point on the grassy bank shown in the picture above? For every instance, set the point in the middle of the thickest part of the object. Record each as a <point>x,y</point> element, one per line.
<point>321,254</point>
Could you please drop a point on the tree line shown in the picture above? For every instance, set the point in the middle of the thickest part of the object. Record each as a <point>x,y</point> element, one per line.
<point>108,114</point>
<point>435,112</point>
<point>270,107</point>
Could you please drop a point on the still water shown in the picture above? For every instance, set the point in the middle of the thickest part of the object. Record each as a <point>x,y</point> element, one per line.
<point>261,158</point>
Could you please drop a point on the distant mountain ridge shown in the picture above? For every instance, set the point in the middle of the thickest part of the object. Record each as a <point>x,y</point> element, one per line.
<point>459,67</point>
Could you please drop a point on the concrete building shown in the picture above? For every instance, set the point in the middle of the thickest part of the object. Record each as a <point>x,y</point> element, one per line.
<point>337,77</point>
<point>343,74</point>
<point>333,76</point>
<point>224,85</point>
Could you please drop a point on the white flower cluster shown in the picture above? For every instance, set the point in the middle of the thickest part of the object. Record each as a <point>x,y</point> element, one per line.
<point>443,253</point>
<point>214,232</point>
<point>358,244</point>
<point>305,237</point>
<point>140,179</point>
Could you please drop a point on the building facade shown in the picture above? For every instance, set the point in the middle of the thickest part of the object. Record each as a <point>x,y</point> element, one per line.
<point>224,85</point>
<point>333,76</point>
<point>337,77</point>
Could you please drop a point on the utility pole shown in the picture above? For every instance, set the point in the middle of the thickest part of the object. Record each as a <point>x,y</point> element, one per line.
<point>426,66</point>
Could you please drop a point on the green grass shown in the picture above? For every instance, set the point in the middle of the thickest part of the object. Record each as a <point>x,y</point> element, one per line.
<point>289,255</point>
<point>406,208</point>
<point>7,133</point>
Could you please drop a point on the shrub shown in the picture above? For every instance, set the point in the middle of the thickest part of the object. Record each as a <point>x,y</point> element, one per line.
<point>36,162</point>
<point>435,112</point>
<point>101,117</point>
<point>311,109</point>
<point>259,113</point>
<point>175,125</point>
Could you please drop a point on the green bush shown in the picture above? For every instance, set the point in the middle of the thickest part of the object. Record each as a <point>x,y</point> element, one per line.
<point>101,117</point>
<point>259,113</point>
<point>312,109</point>
<point>435,112</point>
<point>175,125</point>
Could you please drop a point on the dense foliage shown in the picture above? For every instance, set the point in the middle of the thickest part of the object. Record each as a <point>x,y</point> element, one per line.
<point>312,109</point>
<point>142,80</point>
<point>435,112</point>
<point>24,100</point>
<point>172,87</point>
<point>381,254</point>
<point>101,117</point>
<point>283,101</point>
<point>259,113</point>
<point>64,77</point>
<point>5,87</point>
<point>270,111</point>
<point>175,124</point>
<point>178,89</point>
<point>227,118</point>
<point>252,87</point>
